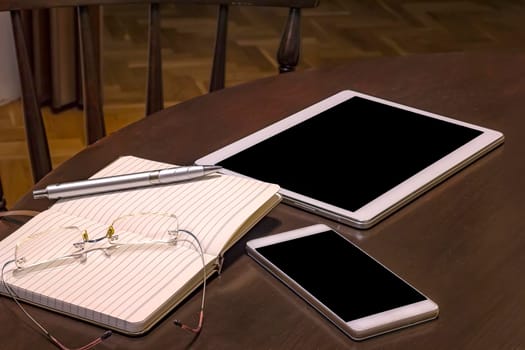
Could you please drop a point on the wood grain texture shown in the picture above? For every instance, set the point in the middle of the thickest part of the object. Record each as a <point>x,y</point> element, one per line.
<point>461,243</point>
<point>336,32</point>
<point>91,87</point>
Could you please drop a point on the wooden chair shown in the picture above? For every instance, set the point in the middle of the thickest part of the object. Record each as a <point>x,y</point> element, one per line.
<point>3,204</point>
<point>288,56</point>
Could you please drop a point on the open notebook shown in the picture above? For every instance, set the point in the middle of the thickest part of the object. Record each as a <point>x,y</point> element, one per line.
<point>135,286</point>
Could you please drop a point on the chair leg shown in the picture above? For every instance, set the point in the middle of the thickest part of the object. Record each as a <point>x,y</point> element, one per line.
<point>154,93</point>
<point>218,70</point>
<point>91,80</point>
<point>33,122</point>
<point>290,46</point>
<point>3,204</point>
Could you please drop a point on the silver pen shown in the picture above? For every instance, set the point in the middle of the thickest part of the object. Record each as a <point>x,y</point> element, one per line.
<point>124,182</point>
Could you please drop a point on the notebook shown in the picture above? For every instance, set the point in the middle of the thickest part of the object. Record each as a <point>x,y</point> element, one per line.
<point>135,286</point>
<point>356,158</point>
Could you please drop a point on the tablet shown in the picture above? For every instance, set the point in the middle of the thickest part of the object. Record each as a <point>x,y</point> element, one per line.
<point>356,158</point>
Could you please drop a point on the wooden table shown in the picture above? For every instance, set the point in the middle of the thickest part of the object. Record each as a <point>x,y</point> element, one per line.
<point>462,243</point>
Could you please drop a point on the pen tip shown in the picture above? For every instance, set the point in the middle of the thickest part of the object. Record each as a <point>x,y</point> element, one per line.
<point>37,194</point>
<point>213,167</point>
<point>208,169</point>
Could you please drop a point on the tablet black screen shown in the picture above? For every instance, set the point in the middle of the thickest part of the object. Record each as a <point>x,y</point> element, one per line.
<point>352,153</point>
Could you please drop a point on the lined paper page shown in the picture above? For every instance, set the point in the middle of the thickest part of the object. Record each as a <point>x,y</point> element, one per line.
<point>114,289</point>
<point>213,207</point>
<point>128,287</point>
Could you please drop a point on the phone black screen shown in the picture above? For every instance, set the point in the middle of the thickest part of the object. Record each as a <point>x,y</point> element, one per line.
<point>352,153</point>
<point>340,275</point>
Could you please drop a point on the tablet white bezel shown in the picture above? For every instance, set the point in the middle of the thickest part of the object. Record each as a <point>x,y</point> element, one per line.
<point>389,201</point>
<point>358,329</point>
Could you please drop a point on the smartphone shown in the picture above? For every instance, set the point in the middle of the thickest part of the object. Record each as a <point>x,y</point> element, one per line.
<point>345,284</point>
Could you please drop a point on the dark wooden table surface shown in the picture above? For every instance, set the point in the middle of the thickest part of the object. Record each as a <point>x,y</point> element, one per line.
<point>462,243</point>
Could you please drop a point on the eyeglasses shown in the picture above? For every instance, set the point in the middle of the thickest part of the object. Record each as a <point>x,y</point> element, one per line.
<point>71,244</point>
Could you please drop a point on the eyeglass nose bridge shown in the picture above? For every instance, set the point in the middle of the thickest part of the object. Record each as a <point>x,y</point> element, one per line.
<point>110,236</point>
<point>20,261</point>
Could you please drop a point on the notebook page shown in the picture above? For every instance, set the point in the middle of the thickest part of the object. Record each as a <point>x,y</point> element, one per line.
<point>214,207</point>
<point>115,289</point>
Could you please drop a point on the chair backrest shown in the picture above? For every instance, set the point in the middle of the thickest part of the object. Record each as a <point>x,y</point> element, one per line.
<point>287,56</point>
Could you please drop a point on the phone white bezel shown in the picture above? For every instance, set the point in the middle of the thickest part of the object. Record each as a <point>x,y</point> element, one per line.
<point>388,202</point>
<point>358,329</point>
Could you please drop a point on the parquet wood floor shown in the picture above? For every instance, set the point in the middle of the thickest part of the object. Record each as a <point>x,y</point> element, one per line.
<point>338,31</point>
